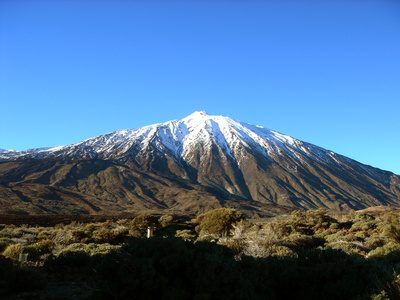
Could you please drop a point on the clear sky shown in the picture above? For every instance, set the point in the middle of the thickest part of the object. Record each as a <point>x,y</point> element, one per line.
<point>327,72</point>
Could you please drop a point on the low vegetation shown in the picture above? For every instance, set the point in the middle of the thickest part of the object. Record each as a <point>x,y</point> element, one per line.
<point>217,255</point>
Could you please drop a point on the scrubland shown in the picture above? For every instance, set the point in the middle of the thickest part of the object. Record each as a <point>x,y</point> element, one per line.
<point>219,254</point>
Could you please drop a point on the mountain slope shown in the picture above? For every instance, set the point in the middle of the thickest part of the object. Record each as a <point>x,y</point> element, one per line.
<point>187,165</point>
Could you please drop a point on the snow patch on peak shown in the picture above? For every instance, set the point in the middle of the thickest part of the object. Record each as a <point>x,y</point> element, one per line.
<point>285,138</point>
<point>181,137</point>
<point>6,150</point>
<point>197,114</point>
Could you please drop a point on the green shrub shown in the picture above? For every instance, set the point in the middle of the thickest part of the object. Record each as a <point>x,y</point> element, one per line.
<point>91,248</point>
<point>391,250</point>
<point>281,252</point>
<point>311,222</point>
<point>374,242</point>
<point>364,225</point>
<point>218,221</point>
<point>138,226</point>
<point>390,227</point>
<point>334,226</point>
<point>303,241</point>
<point>38,249</point>
<point>350,248</point>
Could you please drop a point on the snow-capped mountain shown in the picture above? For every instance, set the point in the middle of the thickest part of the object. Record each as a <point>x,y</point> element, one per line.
<point>180,137</point>
<point>213,159</point>
<point>4,151</point>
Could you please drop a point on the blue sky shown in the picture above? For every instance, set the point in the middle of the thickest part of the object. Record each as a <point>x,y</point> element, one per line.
<point>327,72</point>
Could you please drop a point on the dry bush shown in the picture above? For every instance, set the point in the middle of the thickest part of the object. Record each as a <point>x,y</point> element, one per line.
<point>103,234</point>
<point>262,250</point>
<point>254,240</point>
<point>44,234</point>
<point>120,231</point>
<point>110,235</point>
<point>13,251</point>
<point>66,237</point>
<point>185,234</point>
<point>165,220</point>
<point>12,231</point>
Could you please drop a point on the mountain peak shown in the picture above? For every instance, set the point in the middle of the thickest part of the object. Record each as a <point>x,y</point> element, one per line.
<point>197,114</point>
<point>6,150</point>
<point>202,118</point>
<point>180,137</point>
<point>201,154</point>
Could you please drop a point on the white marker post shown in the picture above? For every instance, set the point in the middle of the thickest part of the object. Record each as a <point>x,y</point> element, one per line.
<point>149,232</point>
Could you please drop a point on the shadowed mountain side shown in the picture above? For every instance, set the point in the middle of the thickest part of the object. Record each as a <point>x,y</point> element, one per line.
<point>98,187</point>
<point>102,187</point>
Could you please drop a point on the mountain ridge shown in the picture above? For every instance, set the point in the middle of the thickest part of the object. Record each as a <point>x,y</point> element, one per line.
<point>129,133</point>
<point>228,162</point>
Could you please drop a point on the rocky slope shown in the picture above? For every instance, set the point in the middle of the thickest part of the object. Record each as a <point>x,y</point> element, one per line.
<point>187,165</point>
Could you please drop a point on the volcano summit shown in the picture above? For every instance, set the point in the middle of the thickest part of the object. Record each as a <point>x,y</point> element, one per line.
<point>198,162</point>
